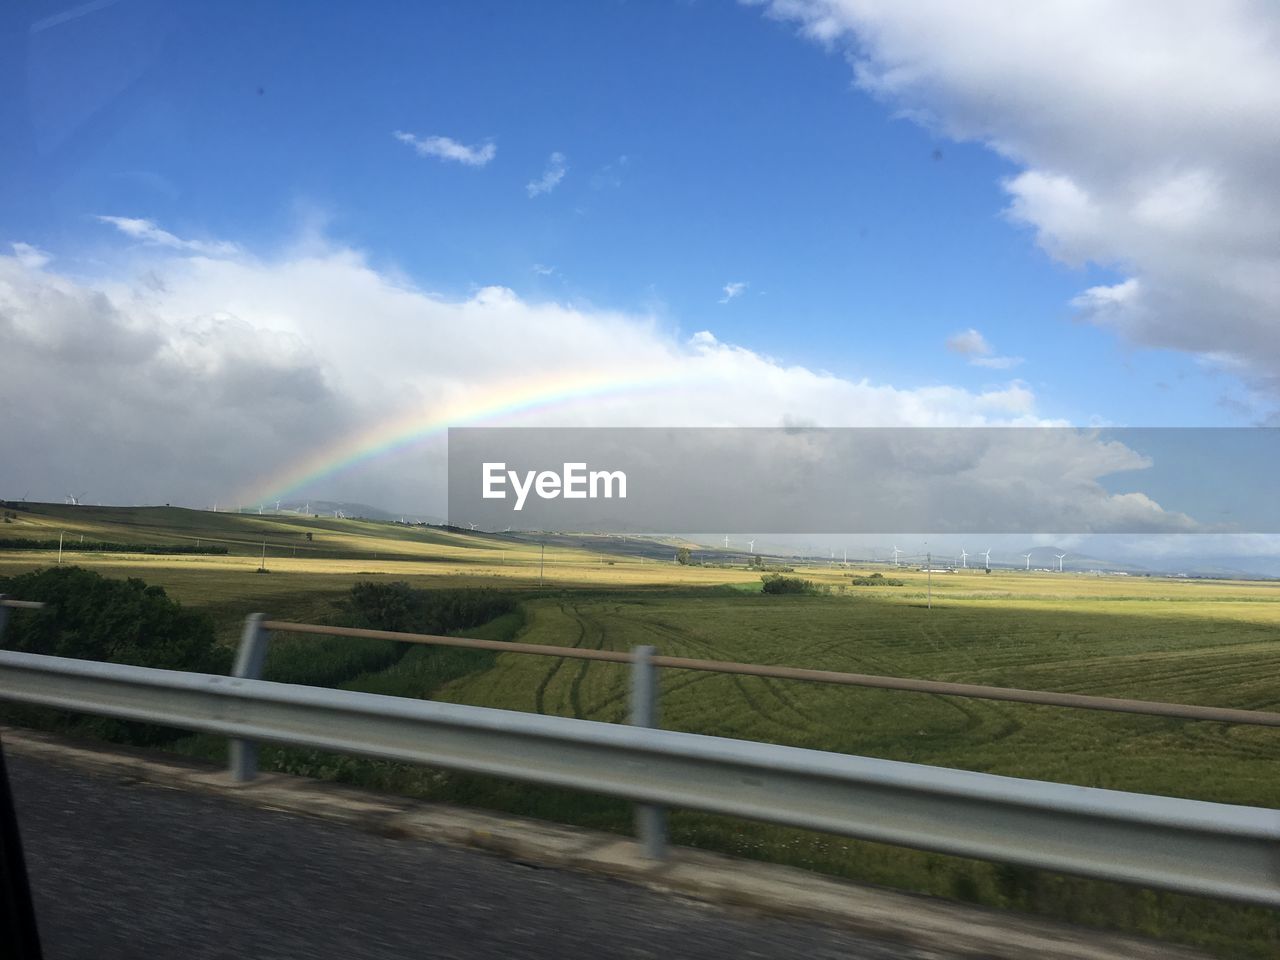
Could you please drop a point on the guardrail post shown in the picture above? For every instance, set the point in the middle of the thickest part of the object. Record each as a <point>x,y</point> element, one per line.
<point>651,819</point>
<point>248,666</point>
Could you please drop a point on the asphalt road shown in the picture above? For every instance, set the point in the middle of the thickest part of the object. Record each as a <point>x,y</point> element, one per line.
<point>127,870</point>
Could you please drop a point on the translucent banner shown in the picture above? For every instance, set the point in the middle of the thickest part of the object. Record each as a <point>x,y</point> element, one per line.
<point>866,480</point>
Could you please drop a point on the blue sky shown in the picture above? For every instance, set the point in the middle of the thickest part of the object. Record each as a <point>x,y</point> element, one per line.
<point>869,183</point>
<point>705,145</point>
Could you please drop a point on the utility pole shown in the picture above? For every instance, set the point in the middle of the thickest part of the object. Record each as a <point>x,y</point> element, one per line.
<point>264,554</point>
<point>60,546</point>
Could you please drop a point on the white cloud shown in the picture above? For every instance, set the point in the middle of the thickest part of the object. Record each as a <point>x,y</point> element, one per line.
<point>191,378</point>
<point>147,232</point>
<point>973,345</point>
<point>542,270</point>
<point>551,176</point>
<point>1103,302</point>
<point>1146,133</point>
<point>968,343</point>
<point>446,148</point>
<point>733,291</point>
<point>166,369</point>
<point>30,256</point>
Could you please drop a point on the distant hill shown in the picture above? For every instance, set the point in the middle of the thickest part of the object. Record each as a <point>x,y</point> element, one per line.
<point>347,509</point>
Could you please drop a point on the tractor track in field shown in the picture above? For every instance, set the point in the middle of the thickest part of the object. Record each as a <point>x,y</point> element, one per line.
<point>1199,673</point>
<point>974,715</point>
<point>807,723</point>
<point>667,688</point>
<point>693,646</point>
<point>580,673</point>
<point>1222,741</point>
<point>540,694</point>
<point>771,685</point>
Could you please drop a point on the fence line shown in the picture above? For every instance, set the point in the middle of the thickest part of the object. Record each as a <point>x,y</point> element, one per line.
<point>538,649</point>
<point>644,702</point>
<point>1154,708</point>
<point>1190,846</point>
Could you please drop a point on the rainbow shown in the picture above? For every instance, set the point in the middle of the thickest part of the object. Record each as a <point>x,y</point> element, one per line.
<point>402,433</point>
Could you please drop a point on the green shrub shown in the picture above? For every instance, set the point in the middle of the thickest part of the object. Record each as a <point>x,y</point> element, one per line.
<point>399,607</point>
<point>778,584</point>
<point>876,580</point>
<point>395,606</point>
<point>91,617</point>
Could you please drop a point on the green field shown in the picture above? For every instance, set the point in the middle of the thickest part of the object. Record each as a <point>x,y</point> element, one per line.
<point>1205,642</point>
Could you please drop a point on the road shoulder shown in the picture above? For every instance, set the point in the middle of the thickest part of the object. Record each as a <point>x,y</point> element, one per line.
<point>788,892</point>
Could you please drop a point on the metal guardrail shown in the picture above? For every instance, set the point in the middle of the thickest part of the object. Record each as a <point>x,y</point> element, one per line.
<point>1189,846</point>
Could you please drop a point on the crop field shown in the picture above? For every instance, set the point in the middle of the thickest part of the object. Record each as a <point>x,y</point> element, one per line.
<point>1219,648</point>
<point>1154,652</point>
<point>1203,642</point>
<point>305,576</point>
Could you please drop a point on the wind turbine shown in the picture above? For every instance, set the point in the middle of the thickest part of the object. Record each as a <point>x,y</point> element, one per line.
<point>964,559</point>
<point>987,555</point>
<point>751,546</point>
<point>896,551</point>
<point>1028,559</point>
<point>1061,557</point>
<point>471,526</point>
<point>726,541</point>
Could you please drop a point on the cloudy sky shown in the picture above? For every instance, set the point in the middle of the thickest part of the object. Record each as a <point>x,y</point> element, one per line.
<point>247,253</point>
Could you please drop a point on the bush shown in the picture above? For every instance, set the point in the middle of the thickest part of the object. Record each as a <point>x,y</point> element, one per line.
<point>876,580</point>
<point>91,617</point>
<point>393,606</point>
<point>397,606</point>
<point>776,583</point>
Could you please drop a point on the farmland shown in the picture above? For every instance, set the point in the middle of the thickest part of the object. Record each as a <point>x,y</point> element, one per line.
<point>1206,642</point>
